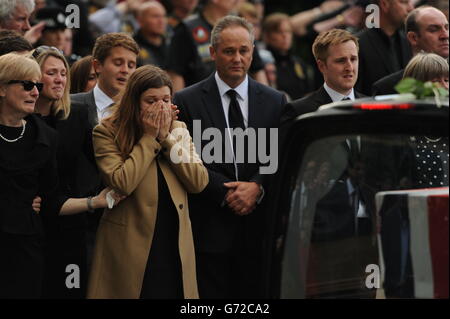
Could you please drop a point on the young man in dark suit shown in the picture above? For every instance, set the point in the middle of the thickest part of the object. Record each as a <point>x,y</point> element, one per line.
<point>228,216</point>
<point>426,30</point>
<point>336,54</point>
<point>115,56</point>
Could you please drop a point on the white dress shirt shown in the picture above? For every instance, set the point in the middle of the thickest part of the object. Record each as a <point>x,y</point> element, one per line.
<point>102,101</point>
<point>336,96</point>
<point>242,97</point>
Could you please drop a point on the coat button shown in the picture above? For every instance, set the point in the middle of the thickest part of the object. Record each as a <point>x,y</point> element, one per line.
<point>181,206</point>
<point>156,151</point>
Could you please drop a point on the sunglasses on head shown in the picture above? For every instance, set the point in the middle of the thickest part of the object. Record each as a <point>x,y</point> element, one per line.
<point>28,85</point>
<point>43,48</point>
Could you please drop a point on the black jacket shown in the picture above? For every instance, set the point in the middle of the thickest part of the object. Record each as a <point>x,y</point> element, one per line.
<point>24,179</point>
<point>75,150</point>
<point>376,57</point>
<point>387,84</point>
<point>214,225</point>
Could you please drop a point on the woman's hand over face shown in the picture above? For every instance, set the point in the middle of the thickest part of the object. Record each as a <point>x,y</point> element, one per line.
<point>151,119</point>
<point>166,122</point>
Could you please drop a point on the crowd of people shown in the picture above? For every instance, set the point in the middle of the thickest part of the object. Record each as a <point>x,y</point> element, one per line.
<point>92,119</point>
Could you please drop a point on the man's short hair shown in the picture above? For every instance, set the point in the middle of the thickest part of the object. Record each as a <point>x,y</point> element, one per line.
<point>329,38</point>
<point>229,22</point>
<point>12,41</point>
<point>411,24</point>
<point>273,22</point>
<point>8,7</point>
<point>105,43</point>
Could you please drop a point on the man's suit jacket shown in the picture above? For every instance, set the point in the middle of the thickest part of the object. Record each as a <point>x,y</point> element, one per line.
<point>88,177</point>
<point>214,224</point>
<point>86,100</point>
<point>386,85</point>
<point>310,103</point>
<point>375,61</point>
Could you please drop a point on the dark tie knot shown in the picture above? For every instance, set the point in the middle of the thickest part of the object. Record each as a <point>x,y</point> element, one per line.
<point>232,94</point>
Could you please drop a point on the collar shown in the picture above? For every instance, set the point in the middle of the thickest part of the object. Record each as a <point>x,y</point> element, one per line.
<point>102,100</point>
<point>350,187</point>
<point>241,89</point>
<point>387,39</point>
<point>139,37</point>
<point>278,56</point>
<point>336,96</point>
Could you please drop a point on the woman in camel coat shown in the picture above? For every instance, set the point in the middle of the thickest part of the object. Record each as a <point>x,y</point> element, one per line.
<point>144,246</point>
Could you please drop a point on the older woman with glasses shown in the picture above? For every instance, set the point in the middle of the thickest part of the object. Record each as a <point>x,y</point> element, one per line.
<point>66,235</point>
<point>27,169</point>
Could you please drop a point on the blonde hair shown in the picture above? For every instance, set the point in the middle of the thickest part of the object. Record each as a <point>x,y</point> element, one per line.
<point>426,67</point>
<point>61,107</point>
<point>329,38</point>
<point>17,67</point>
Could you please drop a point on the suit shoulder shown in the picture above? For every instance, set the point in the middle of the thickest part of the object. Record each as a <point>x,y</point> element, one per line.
<point>268,90</point>
<point>302,101</point>
<point>192,90</point>
<point>79,98</point>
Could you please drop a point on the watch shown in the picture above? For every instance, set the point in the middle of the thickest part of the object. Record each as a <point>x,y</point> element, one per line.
<point>90,207</point>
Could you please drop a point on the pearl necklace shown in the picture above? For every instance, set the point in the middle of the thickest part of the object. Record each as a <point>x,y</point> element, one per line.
<point>16,139</point>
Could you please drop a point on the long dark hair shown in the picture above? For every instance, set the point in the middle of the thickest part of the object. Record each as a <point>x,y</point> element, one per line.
<point>79,74</point>
<point>125,119</point>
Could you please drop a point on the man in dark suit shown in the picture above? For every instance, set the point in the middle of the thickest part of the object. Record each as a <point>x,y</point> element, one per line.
<point>115,56</point>
<point>336,54</point>
<point>426,30</point>
<point>228,216</point>
<point>384,49</point>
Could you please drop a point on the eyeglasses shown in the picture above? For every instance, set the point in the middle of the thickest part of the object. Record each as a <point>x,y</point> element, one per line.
<point>43,48</point>
<point>28,85</point>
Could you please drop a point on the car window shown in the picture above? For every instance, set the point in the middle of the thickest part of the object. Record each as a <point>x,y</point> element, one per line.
<point>350,232</point>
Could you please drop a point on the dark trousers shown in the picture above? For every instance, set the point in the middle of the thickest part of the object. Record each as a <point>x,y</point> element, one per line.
<point>21,266</point>
<point>225,276</point>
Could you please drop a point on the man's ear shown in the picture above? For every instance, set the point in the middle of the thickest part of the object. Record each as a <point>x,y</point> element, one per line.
<point>212,52</point>
<point>412,38</point>
<point>321,65</point>
<point>385,5</point>
<point>2,90</point>
<point>97,66</point>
